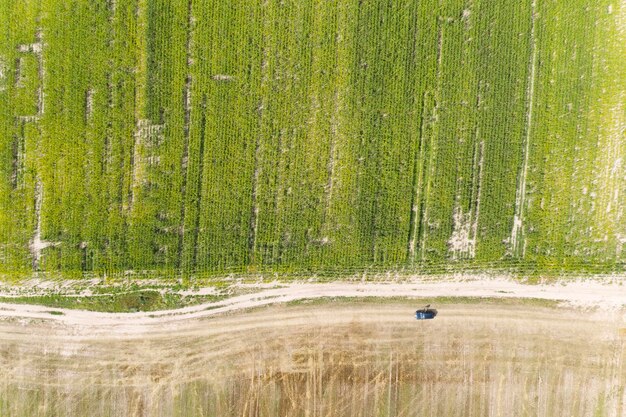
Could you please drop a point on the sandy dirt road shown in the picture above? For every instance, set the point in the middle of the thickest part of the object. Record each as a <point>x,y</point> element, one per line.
<point>590,295</point>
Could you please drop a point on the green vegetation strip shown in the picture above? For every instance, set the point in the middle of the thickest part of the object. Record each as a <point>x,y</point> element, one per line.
<point>243,136</point>
<point>116,303</point>
<point>417,301</point>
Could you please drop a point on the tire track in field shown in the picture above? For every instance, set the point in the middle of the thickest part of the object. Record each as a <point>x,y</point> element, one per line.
<point>517,243</point>
<point>432,149</point>
<point>184,163</point>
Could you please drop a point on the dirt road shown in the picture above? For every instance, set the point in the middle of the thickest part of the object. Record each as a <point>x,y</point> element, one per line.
<point>596,295</point>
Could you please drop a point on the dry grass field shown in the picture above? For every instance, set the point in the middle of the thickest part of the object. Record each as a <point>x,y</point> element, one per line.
<point>340,358</point>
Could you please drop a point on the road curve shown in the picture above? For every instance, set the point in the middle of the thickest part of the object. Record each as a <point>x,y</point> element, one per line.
<point>585,294</point>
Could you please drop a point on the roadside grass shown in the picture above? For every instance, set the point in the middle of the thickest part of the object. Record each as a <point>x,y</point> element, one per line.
<point>128,302</point>
<point>418,301</point>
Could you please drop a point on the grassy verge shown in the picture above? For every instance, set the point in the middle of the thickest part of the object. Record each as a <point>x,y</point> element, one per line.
<point>129,302</point>
<point>434,301</point>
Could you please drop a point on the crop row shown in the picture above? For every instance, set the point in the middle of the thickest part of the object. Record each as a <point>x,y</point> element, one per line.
<point>197,136</point>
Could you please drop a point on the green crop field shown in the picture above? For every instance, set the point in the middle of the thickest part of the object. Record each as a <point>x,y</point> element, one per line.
<point>189,137</point>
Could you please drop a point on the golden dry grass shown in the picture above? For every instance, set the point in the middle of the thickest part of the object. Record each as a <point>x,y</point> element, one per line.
<point>324,360</point>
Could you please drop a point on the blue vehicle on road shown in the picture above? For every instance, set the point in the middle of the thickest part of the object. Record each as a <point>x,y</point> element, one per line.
<point>426,313</point>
